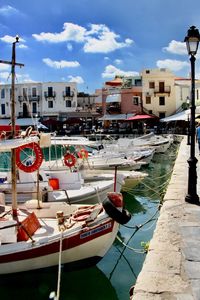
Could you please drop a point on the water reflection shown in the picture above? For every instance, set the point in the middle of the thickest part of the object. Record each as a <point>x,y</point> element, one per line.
<point>90,283</point>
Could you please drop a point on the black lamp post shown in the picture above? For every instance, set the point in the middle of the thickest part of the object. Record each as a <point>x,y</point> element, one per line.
<point>192,41</point>
<point>188,121</point>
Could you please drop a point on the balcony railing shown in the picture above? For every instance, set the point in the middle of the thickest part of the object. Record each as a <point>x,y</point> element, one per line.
<point>68,94</point>
<point>162,90</point>
<point>34,98</point>
<point>29,98</point>
<point>49,95</point>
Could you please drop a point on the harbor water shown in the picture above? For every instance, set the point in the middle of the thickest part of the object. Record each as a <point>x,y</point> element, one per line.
<point>114,275</point>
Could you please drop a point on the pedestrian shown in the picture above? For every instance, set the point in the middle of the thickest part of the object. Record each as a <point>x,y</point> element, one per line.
<point>198,136</point>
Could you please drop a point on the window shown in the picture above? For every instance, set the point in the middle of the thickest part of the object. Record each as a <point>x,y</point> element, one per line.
<point>148,100</point>
<point>161,100</point>
<point>50,104</point>
<point>24,91</point>
<point>50,91</point>
<point>161,87</point>
<point>197,94</point>
<point>34,92</point>
<point>138,82</point>
<point>2,93</point>
<point>68,103</point>
<point>136,100</point>
<point>162,115</point>
<point>150,112</point>
<point>67,91</point>
<point>34,107</point>
<point>151,84</point>
<point>147,71</point>
<point>3,109</point>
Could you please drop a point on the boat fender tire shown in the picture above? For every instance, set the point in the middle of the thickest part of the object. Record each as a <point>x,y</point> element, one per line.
<point>69,160</point>
<point>121,217</point>
<point>38,158</point>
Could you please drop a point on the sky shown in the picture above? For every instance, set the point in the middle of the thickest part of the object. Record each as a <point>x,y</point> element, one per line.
<point>92,41</point>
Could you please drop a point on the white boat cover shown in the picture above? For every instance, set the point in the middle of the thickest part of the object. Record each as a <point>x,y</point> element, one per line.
<point>8,145</point>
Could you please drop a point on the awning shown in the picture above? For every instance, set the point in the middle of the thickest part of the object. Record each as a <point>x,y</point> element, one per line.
<point>51,122</point>
<point>20,122</point>
<point>181,116</point>
<point>141,117</point>
<point>27,121</point>
<point>113,98</point>
<point>116,117</point>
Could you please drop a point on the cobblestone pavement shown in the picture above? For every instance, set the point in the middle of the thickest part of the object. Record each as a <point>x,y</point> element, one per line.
<point>172,266</point>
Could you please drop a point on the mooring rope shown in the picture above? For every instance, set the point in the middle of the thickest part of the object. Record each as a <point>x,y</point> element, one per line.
<point>52,294</point>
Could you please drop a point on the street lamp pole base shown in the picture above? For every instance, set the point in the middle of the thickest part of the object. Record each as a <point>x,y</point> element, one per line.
<point>192,199</point>
<point>192,196</point>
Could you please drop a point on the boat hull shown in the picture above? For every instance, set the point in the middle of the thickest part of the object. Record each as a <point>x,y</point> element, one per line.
<point>81,249</point>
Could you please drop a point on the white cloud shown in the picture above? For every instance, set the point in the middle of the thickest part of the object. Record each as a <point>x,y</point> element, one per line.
<point>106,58</point>
<point>23,78</point>
<point>118,61</point>
<point>99,38</point>
<point>22,46</point>
<point>77,79</point>
<point>7,10</point>
<point>60,64</point>
<point>5,75</point>
<point>4,67</point>
<point>19,77</point>
<point>69,46</point>
<point>173,65</point>
<point>10,39</point>
<point>111,71</point>
<point>71,32</point>
<point>176,47</point>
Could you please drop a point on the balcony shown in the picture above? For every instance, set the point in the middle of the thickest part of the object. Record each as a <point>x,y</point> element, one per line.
<point>68,94</point>
<point>29,98</point>
<point>34,98</point>
<point>162,90</point>
<point>22,98</point>
<point>49,95</point>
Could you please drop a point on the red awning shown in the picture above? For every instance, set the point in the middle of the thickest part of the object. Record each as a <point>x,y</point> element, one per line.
<point>141,117</point>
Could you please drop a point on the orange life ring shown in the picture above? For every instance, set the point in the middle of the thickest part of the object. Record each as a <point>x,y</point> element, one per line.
<point>30,166</point>
<point>83,153</point>
<point>69,160</point>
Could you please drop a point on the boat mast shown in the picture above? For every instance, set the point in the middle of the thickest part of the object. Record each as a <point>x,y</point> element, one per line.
<point>13,127</point>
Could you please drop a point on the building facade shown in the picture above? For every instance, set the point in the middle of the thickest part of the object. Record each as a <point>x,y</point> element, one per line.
<point>158,92</point>
<point>47,100</point>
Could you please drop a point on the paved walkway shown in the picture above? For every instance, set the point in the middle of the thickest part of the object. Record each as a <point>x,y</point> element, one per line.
<point>172,266</point>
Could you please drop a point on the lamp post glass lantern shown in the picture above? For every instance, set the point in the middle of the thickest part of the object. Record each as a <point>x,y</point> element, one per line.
<point>192,41</point>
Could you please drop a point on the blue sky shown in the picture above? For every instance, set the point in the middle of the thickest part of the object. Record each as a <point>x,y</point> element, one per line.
<point>91,41</point>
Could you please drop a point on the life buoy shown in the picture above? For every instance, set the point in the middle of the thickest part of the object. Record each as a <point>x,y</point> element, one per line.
<point>121,217</point>
<point>83,153</point>
<point>69,160</point>
<point>30,165</point>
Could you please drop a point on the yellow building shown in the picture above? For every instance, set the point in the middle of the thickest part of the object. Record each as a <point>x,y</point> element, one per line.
<point>158,92</point>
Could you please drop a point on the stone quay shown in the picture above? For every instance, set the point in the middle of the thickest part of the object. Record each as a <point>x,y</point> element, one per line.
<point>171,269</point>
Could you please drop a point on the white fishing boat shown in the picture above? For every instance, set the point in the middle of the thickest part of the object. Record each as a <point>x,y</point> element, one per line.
<point>130,178</point>
<point>32,239</point>
<point>39,235</point>
<point>57,185</point>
